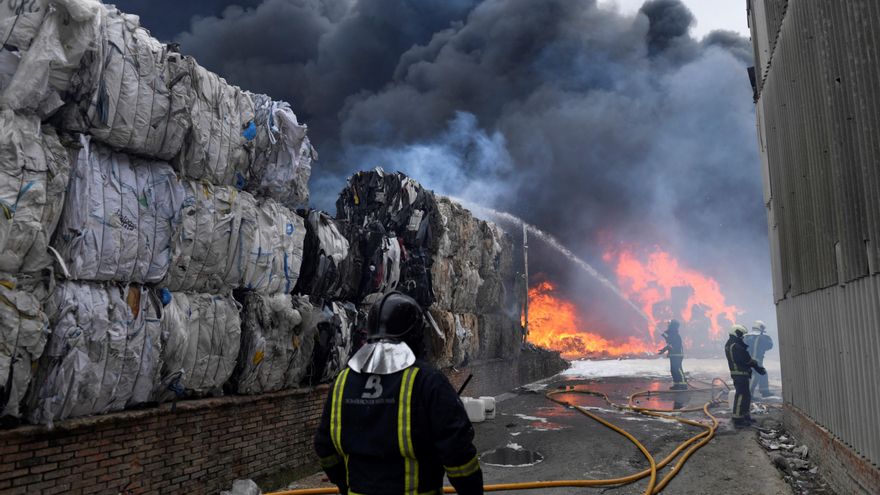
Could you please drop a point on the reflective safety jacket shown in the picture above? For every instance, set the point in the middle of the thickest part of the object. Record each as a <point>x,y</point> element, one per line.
<point>673,345</point>
<point>397,434</point>
<point>739,360</point>
<point>758,345</point>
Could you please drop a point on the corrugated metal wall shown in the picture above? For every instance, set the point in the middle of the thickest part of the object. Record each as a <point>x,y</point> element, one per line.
<point>818,116</point>
<point>830,341</point>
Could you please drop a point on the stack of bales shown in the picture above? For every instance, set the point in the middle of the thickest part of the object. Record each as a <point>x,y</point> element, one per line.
<point>458,266</point>
<point>33,176</point>
<point>181,188</point>
<point>327,280</point>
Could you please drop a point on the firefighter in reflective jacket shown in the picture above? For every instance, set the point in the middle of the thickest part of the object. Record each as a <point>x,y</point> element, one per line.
<point>741,364</point>
<point>759,343</point>
<point>392,424</point>
<point>675,352</point>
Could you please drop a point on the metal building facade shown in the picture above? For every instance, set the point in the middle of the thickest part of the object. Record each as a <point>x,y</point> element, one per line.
<point>817,65</point>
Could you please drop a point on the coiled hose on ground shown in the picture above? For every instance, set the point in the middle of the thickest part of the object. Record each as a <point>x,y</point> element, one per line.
<point>692,444</point>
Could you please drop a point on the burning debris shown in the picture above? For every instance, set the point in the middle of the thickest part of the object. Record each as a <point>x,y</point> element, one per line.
<point>652,283</point>
<point>555,323</point>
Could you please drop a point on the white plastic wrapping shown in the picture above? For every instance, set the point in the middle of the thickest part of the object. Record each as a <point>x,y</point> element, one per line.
<point>273,257</point>
<point>278,337</point>
<point>225,239</point>
<point>23,332</point>
<point>283,154</point>
<point>131,93</point>
<point>119,216</point>
<point>103,354</point>
<point>33,176</point>
<point>20,21</point>
<point>45,68</point>
<point>201,335</point>
<point>219,146</point>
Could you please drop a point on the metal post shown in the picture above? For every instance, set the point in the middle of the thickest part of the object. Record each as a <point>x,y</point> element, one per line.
<point>526,274</point>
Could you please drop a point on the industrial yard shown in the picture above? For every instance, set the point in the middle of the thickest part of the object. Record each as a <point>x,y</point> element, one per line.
<point>297,247</point>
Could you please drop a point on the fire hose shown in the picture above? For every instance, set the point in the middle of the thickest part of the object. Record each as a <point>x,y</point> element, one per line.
<point>654,487</point>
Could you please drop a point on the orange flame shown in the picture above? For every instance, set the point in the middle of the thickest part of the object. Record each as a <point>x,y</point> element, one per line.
<point>651,282</point>
<point>554,324</point>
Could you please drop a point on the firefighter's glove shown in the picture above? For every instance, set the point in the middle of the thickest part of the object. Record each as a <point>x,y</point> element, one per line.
<point>761,370</point>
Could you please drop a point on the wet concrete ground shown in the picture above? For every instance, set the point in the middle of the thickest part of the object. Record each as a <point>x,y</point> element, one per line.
<point>573,446</point>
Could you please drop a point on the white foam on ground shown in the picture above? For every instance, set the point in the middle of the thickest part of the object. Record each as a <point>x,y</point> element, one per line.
<point>658,368</point>
<point>531,418</point>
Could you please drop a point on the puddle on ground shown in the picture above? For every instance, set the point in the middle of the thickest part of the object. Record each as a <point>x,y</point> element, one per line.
<point>511,456</point>
<point>619,390</point>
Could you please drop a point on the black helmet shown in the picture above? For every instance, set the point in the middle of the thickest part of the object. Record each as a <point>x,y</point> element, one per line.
<point>393,317</point>
<point>673,326</point>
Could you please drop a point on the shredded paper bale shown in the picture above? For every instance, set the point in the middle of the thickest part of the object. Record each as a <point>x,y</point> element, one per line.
<point>119,216</point>
<point>278,337</point>
<point>201,335</point>
<point>226,239</point>
<point>103,354</point>
<point>283,154</point>
<point>23,332</point>
<point>132,91</point>
<point>33,176</point>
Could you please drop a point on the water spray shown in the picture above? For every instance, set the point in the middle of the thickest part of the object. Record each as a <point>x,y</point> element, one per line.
<point>555,244</point>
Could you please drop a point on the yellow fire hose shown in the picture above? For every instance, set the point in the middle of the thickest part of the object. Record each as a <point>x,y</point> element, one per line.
<point>692,444</point>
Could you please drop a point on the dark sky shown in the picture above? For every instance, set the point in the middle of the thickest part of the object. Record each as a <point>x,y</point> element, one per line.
<point>593,125</point>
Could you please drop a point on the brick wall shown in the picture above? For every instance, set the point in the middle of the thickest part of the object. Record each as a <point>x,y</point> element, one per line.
<point>846,471</point>
<point>199,447</point>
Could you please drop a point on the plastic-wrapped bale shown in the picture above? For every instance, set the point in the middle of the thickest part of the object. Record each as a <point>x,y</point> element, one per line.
<point>396,201</point>
<point>283,154</point>
<point>327,260</point>
<point>202,337</point>
<point>45,61</point>
<point>20,21</point>
<point>225,239</point>
<point>334,323</point>
<point>34,171</point>
<point>132,92</point>
<point>455,272</point>
<point>119,216</point>
<point>278,337</point>
<point>376,262</point>
<point>272,257</point>
<point>404,208</point>
<point>103,354</point>
<point>23,332</point>
<point>219,145</point>
<point>460,342</point>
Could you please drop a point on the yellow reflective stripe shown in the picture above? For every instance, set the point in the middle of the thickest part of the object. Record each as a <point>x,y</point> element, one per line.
<point>404,432</point>
<point>336,412</point>
<point>467,469</point>
<point>737,405</point>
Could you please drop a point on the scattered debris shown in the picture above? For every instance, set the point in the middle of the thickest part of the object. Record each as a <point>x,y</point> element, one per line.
<point>791,460</point>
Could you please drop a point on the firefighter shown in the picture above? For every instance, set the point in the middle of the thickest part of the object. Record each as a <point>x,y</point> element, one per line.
<point>741,364</point>
<point>675,352</point>
<point>392,424</point>
<point>759,343</point>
